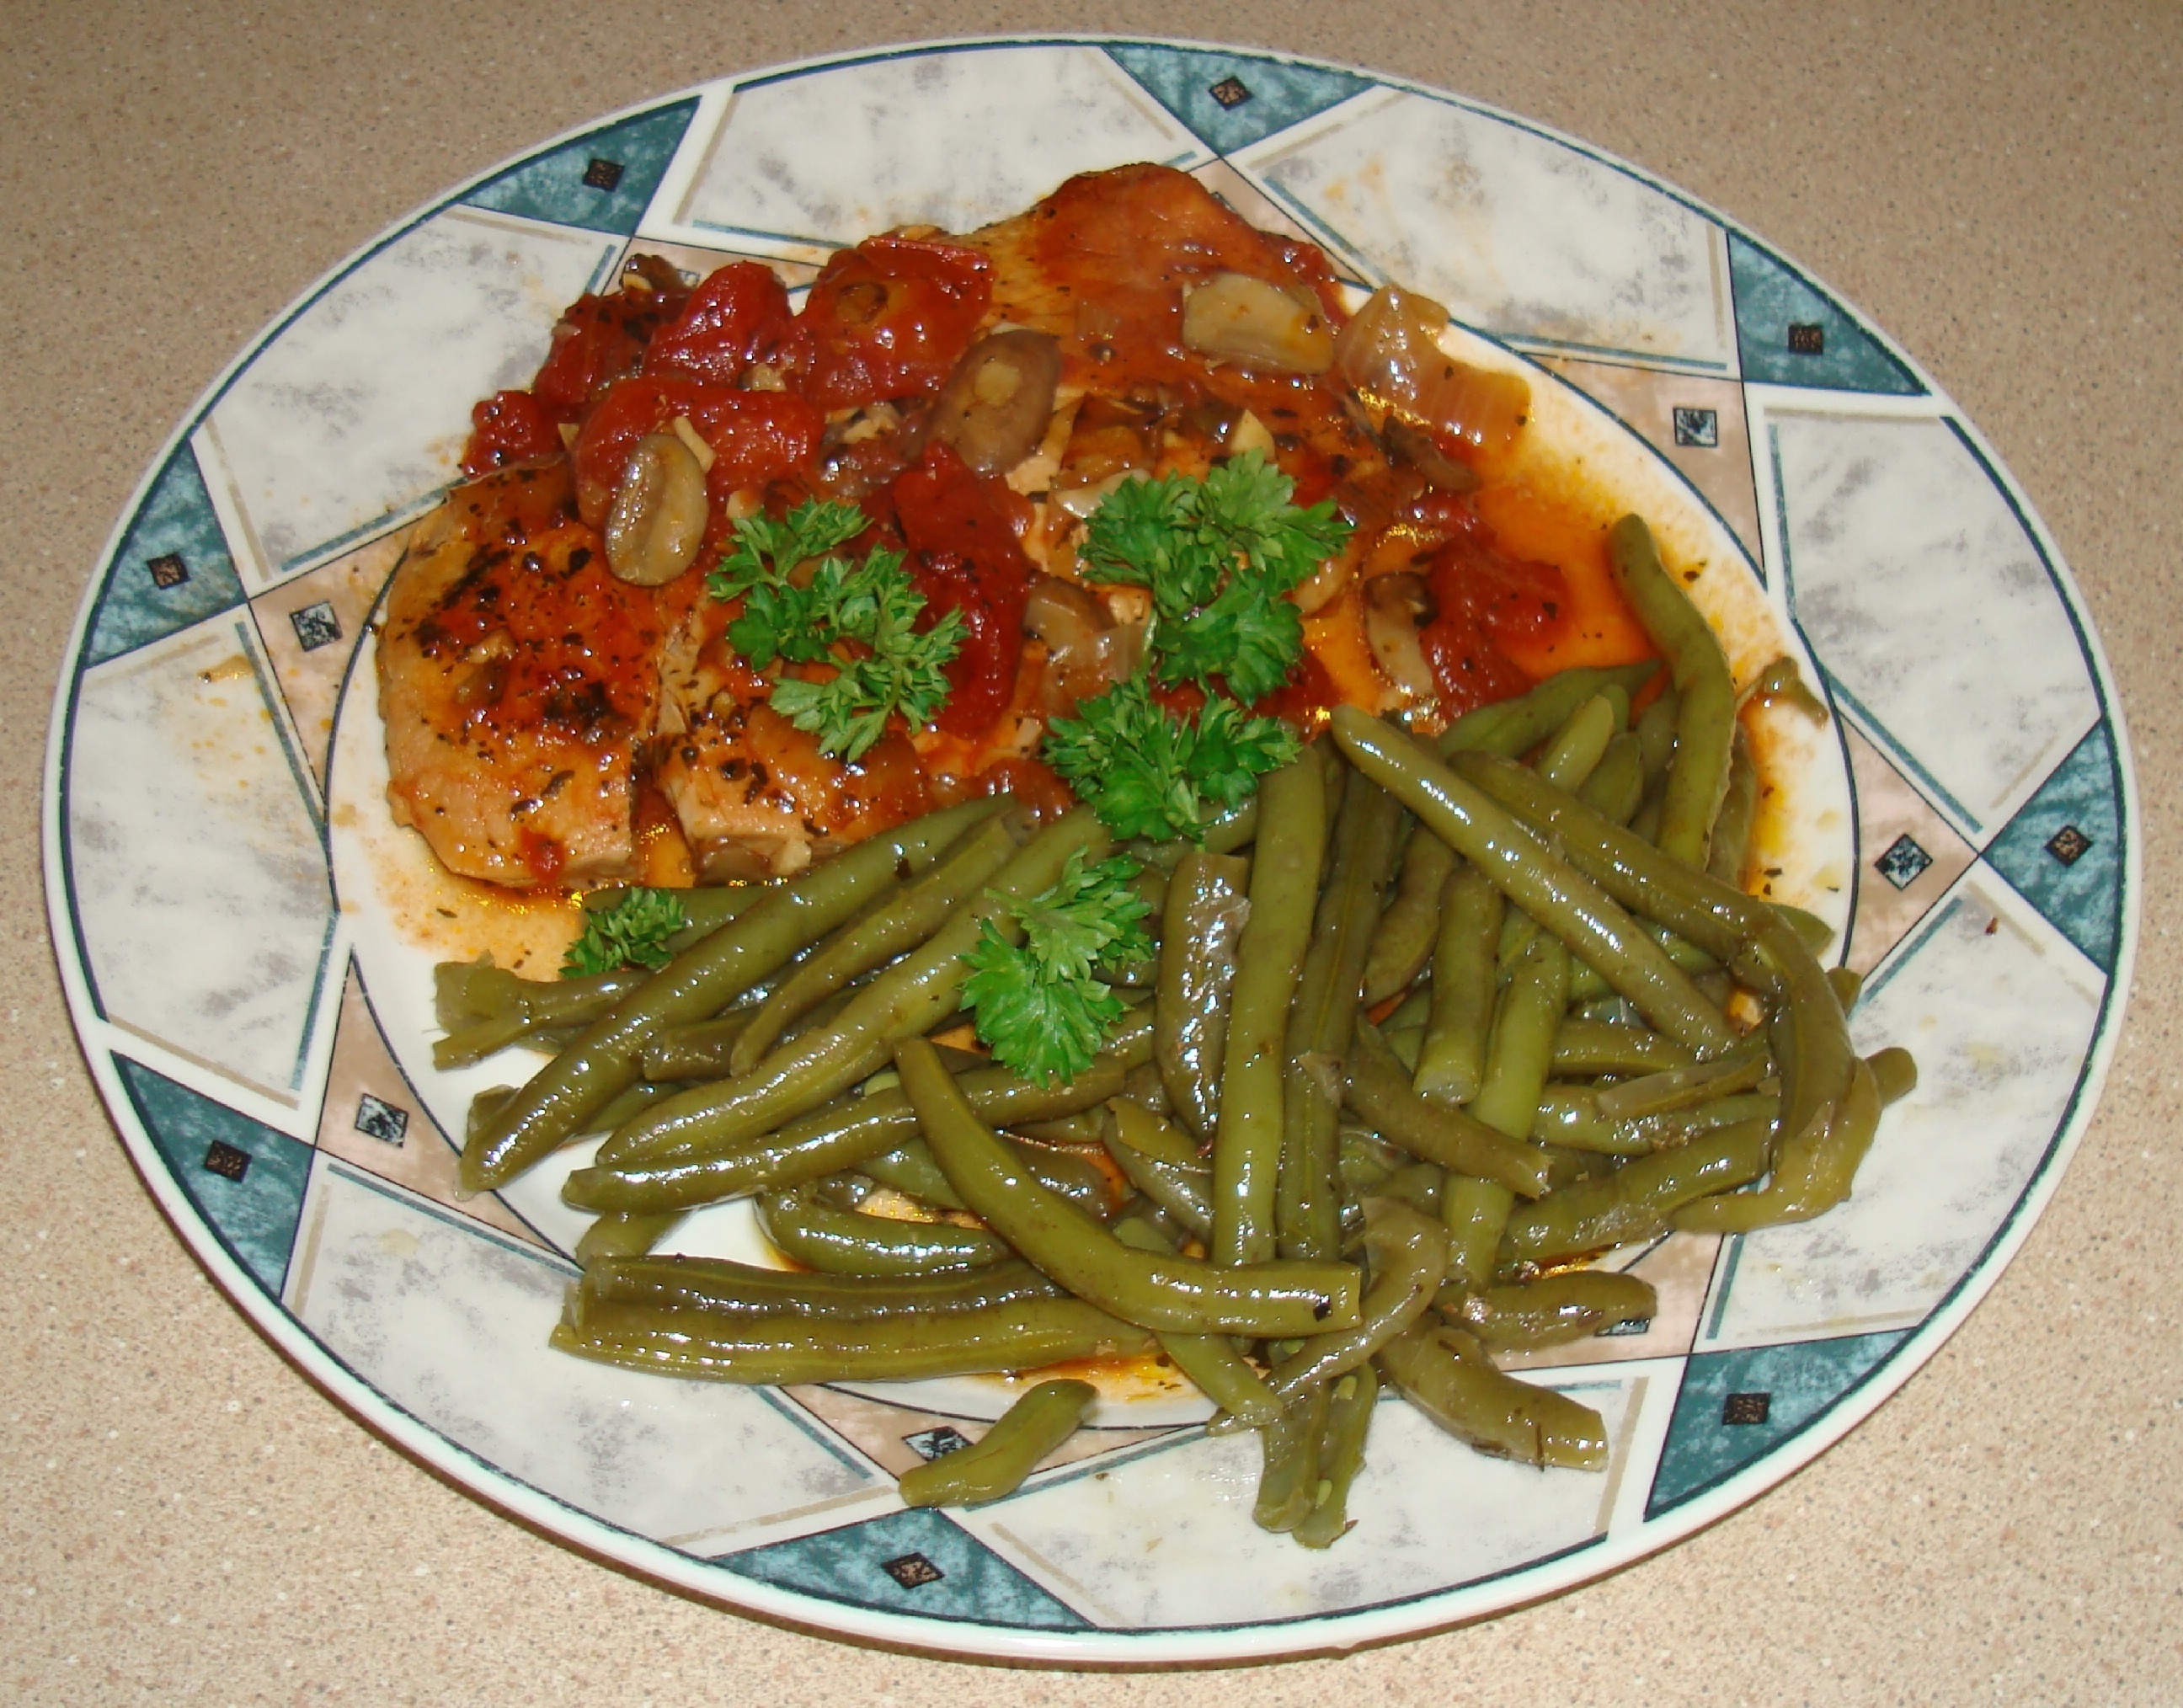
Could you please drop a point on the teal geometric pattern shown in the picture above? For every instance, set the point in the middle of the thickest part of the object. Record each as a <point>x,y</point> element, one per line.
<point>2064,851</point>
<point>1735,1407</point>
<point>939,1572</point>
<point>173,569</point>
<point>1779,316</point>
<point>601,181</point>
<point>252,1204</point>
<point>1261,95</point>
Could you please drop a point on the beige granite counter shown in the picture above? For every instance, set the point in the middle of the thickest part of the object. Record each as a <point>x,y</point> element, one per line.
<point>2000,187</point>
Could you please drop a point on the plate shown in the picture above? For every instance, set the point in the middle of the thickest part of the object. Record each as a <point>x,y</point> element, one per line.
<point>245,942</point>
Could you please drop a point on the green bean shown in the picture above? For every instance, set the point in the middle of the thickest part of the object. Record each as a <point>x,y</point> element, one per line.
<point>700,1049</point>
<point>910,1170</point>
<point>845,1133</point>
<point>1698,776</point>
<point>1521,1049</point>
<point>1739,810</point>
<point>1574,908</point>
<point>573,1087</point>
<point>1072,1173</point>
<point>1136,1128</point>
<point>1638,1199</point>
<point>1181,1192</point>
<point>705,909</point>
<point>625,1234</point>
<point>1340,1457</point>
<point>485,1008</point>
<point>1812,1169</point>
<point>1575,749</point>
<point>1815,933</point>
<point>1570,1117</point>
<point>1323,1015</point>
<point>914,994</point>
<point>1417,1184</point>
<point>721,1288</point>
<point>1616,786</point>
<point>1475,1212</point>
<point>1510,727</point>
<point>1289,1483</point>
<point>1847,987</point>
<point>1551,1311</point>
<point>1366,1161</point>
<point>1379,1092</point>
<point>1024,1334</point>
<point>1585,1046</point>
<point>1178,1293</point>
<point>1452,1057</point>
<point>1009,1452</point>
<point>1408,1257</point>
<point>1226,830</point>
<point>1085,1127</point>
<point>1209,1360</point>
<point>1199,928</point>
<point>823,1236</point>
<point>1678,1087</point>
<point>1445,1374</point>
<point>1656,738</point>
<point>893,924</point>
<point>1895,1073</point>
<point>1403,941</point>
<point>1285,870</point>
<point>1781,683</point>
<point>1588,986</point>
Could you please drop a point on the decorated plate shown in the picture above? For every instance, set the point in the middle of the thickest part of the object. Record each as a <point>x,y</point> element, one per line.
<point>245,938</point>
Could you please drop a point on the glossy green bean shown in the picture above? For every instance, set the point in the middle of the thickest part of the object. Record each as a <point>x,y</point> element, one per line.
<point>1340,1457</point>
<point>1023,1334</point>
<point>1551,1311</point>
<point>1323,1015</point>
<point>1616,786</point>
<point>808,1230</point>
<point>910,1170</point>
<point>1451,1062</point>
<point>1380,1093</point>
<point>701,1049</point>
<point>1521,1051</point>
<point>1588,986</point>
<point>1447,1374</point>
<point>1407,1254</point>
<point>626,1233</point>
<point>698,982</point>
<point>1705,719</point>
<point>1417,1184</point>
<point>1639,1199</point>
<point>996,1464</point>
<point>1510,727</point>
<point>1199,930</point>
<point>723,1288</point>
<point>1402,940</point>
<point>1726,854</point>
<point>1813,1170</point>
<point>1475,1213</point>
<point>1848,986</point>
<point>1574,908</point>
<point>1574,750</point>
<point>1285,871</point>
<point>1288,1482</point>
<point>1782,683</point>
<point>1588,1046</point>
<point>1176,1293</point>
<point>1681,1087</point>
<point>913,995</point>
<point>1570,1117</point>
<point>1655,730</point>
<point>892,925</point>
<point>1895,1073</point>
<point>517,1009</point>
<point>1140,1130</point>
<point>1221,1373</point>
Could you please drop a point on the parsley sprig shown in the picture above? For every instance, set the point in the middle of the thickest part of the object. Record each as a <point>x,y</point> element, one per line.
<point>860,618</point>
<point>1217,555</point>
<point>632,931</point>
<point>1148,772</point>
<point>1040,1005</point>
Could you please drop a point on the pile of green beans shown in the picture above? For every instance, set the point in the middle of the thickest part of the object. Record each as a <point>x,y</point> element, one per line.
<point>1431,1026</point>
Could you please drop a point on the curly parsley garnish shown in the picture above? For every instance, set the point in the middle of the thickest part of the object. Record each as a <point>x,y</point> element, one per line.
<point>631,931</point>
<point>1039,1004</point>
<point>860,618</point>
<point>1217,555</point>
<point>1148,772</point>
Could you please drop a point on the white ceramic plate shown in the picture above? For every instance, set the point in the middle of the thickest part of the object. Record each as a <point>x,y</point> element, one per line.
<point>244,940</point>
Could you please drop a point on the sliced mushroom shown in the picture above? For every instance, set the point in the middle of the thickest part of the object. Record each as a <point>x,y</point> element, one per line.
<point>1414,446</point>
<point>1236,317</point>
<point>1395,607</point>
<point>994,407</point>
<point>658,513</point>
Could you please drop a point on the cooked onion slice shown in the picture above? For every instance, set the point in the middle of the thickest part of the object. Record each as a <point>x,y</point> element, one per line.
<point>1390,352</point>
<point>1236,317</point>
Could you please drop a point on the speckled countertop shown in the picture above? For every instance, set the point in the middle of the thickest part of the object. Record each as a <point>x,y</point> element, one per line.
<point>187,1517</point>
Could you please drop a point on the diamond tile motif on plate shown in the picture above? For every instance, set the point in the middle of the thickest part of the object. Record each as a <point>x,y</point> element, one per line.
<point>1735,1407</point>
<point>601,181</point>
<point>356,413</point>
<point>1515,233</point>
<point>1928,605</point>
<point>914,1561</point>
<point>818,159</point>
<point>2065,849</point>
<point>193,854</point>
<point>1908,856</point>
<point>245,1180</point>
<point>1999,1012</point>
<point>1233,100</point>
<point>1791,333</point>
<point>373,1118</point>
<point>1697,423</point>
<point>310,626</point>
<point>172,569</point>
